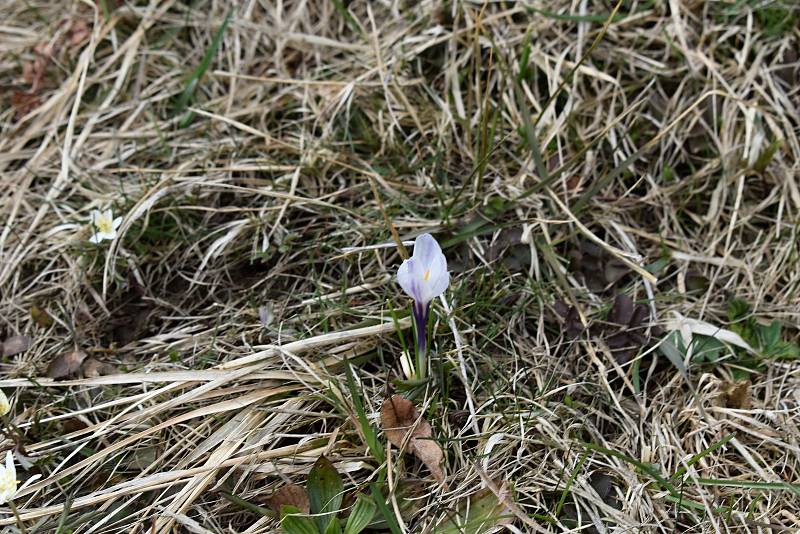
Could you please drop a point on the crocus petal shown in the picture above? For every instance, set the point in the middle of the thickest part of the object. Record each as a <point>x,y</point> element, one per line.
<point>108,214</point>
<point>96,238</point>
<point>116,223</point>
<point>424,276</point>
<point>408,277</point>
<point>8,479</point>
<point>5,405</point>
<point>439,279</point>
<point>426,249</point>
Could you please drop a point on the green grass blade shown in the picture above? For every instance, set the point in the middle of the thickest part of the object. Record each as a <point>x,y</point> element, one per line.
<point>563,499</point>
<point>187,95</point>
<point>266,512</point>
<point>388,516</point>
<point>770,486</point>
<point>370,435</point>
<point>577,18</point>
<point>646,468</point>
<point>348,18</point>
<point>700,455</point>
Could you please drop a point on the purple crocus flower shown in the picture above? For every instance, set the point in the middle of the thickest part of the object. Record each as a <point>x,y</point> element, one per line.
<point>424,277</point>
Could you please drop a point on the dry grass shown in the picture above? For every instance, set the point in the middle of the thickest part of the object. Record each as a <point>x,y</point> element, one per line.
<point>245,269</point>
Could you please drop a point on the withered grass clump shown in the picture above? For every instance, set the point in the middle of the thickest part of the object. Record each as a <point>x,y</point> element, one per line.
<point>266,158</point>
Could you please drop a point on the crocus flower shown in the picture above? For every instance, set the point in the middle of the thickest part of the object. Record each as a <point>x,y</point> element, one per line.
<point>8,479</point>
<point>5,406</point>
<point>105,225</point>
<point>424,277</point>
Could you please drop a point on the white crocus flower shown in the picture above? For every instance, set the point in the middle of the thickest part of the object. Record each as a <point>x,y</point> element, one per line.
<point>424,277</point>
<point>5,405</point>
<point>104,225</point>
<point>8,479</point>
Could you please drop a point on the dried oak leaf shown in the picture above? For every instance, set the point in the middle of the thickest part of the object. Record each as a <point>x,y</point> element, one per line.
<point>23,103</point>
<point>400,417</point>
<point>625,332</point>
<point>622,311</point>
<point>574,182</point>
<point>131,315</point>
<point>573,326</point>
<point>599,269</point>
<point>82,316</point>
<point>34,71</point>
<point>142,458</point>
<point>15,345</point>
<point>289,495</point>
<point>605,486</point>
<point>736,395</point>
<point>509,249</point>
<point>73,425</point>
<point>66,364</point>
<point>78,33</point>
<point>92,368</point>
<point>788,70</point>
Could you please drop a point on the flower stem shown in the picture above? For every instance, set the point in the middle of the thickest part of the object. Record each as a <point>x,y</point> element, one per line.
<point>19,519</point>
<point>421,312</point>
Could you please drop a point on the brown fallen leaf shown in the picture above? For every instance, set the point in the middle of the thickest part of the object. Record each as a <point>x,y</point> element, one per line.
<point>289,495</point>
<point>574,182</point>
<point>41,317</point>
<point>66,364</point>
<point>509,250</point>
<point>573,326</point>
<point>625,331</point>
<point>131,315</point>
<point>73,425</point>
<point>78,33</point>
<point>44,49</point>
<point>400,417</point>
<point>15,345</point>
<point>605,487</point>
<point>142,458</point>
<point>23,103</point>
<point>622,311</point>
<point>736,395</point>
<point>599,269</point>
<point>92,368</point>
<point>34,71</point>
<point>82,317</point>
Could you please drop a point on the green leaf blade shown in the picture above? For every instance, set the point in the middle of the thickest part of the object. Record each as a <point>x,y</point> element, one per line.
<point>484,513</point>
<point>334,527</point>
<point>361,516</point>
<point>325,490</point>
<point>294,523</point>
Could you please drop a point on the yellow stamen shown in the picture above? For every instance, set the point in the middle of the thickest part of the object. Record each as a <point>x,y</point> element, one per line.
<point>426,275</point>
<point>104,225</point>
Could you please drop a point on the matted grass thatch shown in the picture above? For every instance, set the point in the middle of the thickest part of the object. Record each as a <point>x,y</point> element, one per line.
<point>265,157</point>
